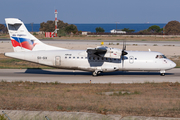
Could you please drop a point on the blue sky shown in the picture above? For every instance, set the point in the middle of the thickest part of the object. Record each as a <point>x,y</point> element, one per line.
<point>92,11</point>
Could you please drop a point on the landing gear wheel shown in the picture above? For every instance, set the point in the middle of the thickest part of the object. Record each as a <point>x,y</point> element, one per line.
<point>95,73</point>
<point>162,74</point>
<point>98,72</point>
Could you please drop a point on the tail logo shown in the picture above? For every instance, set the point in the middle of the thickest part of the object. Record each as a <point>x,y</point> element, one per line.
<point>23,42</point>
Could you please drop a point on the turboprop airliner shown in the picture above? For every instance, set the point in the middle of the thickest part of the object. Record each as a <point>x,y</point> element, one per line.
<point>96,60</point>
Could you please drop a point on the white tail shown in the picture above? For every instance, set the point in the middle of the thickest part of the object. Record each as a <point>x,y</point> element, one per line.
<point>22,40</point>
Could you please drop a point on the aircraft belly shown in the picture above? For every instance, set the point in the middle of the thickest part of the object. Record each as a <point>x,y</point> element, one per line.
<point>74,64</point>
<point>46,62</point>
<point>89,66</point>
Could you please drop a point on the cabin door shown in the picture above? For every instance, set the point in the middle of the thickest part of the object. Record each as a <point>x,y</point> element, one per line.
<point>57,61</point>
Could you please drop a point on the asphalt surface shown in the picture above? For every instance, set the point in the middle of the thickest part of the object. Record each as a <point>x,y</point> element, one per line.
<point>128,42</point>
<point>69,76</point>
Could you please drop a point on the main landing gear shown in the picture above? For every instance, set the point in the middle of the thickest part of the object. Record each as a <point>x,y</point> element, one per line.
<point>96,73</point>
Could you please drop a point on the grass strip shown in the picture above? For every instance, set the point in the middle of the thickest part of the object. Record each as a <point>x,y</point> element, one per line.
<point>137,99</point>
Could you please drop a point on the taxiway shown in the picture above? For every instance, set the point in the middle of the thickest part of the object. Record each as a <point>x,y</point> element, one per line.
<point>69,76</point>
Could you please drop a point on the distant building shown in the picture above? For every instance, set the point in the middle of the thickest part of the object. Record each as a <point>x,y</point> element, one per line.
<point>117,31</point>
<point>85,32</point>
<point>40,32</point>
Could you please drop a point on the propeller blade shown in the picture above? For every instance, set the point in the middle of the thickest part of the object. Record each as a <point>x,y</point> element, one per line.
<point>125,46</point>
<point>123,61</point>
<point>123,52</point>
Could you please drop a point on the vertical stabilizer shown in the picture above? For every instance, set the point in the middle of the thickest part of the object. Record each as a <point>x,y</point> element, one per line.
<point>22,40</point>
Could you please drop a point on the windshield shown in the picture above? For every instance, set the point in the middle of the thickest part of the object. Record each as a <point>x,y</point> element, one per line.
<point>160,56</point>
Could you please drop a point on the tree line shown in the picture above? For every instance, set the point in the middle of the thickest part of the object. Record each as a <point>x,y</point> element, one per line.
<point>172,27</point>
<point>64,28</point>
<point>3,28</point>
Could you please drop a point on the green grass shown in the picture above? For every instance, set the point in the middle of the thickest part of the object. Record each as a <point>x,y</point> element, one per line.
<point>48,38</point>
<point>12,60</point>
<point>12,63</point>
<point>2,117</point>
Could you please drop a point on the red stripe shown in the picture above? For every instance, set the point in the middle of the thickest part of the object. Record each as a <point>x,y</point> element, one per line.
<point>24,44</point>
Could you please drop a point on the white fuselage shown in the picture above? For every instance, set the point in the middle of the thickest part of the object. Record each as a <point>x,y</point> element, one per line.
<point>81,60</point>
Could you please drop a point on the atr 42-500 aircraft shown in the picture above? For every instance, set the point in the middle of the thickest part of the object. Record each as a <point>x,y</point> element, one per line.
<point>96,60</point>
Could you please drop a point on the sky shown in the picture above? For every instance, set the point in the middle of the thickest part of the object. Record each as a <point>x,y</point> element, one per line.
<point>91,11</point>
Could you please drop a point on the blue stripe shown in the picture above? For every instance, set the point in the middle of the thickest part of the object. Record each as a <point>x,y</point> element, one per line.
<point>20,40</point>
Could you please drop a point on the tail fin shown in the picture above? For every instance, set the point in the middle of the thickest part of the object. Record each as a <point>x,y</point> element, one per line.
<point>22,40</point>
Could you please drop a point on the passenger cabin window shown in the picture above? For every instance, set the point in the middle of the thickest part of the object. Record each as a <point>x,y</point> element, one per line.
<point>77,57</point>
<point>160,56</point>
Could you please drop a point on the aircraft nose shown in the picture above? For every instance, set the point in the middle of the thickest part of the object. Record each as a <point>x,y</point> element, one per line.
<point>172,64</point>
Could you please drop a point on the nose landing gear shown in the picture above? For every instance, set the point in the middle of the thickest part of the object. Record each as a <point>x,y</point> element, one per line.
<point>162,72</point>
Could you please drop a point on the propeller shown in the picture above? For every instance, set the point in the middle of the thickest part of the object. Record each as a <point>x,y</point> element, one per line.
<point>123,53</point>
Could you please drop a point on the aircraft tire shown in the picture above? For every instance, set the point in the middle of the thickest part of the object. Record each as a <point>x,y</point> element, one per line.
<point>98,72</point>
<point>94,73</point>
<point>162,74</point>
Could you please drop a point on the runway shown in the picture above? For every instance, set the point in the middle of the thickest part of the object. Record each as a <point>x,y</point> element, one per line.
<point>69,76</point>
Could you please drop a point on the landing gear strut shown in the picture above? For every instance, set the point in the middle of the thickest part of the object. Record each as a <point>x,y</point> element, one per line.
<point>96,73</point>
<point>162,72</point>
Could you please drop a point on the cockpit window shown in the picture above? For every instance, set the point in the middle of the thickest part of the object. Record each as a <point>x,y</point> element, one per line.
<point>164,56</point>
<point>160,56</point>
